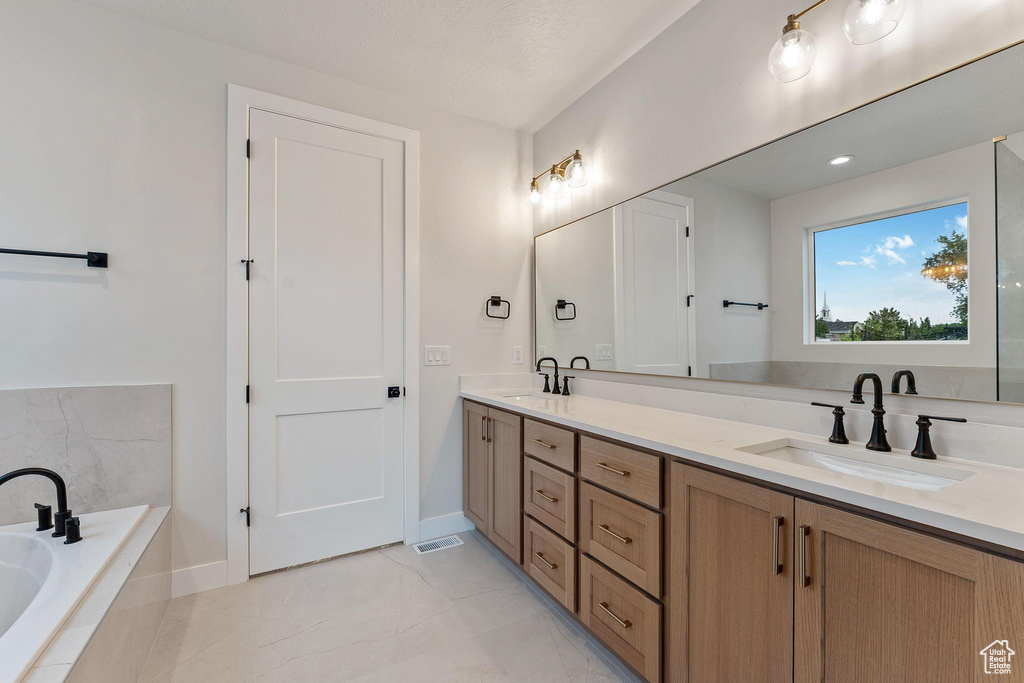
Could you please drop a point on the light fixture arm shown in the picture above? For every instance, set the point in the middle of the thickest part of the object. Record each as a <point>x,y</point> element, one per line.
<point>793,22</point>
<point>561,165</point>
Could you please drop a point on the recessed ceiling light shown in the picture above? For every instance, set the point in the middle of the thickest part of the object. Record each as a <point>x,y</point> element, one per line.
<point>840,160</point>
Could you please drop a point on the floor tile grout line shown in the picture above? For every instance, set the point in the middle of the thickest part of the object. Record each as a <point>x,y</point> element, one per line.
<point>558,611</point>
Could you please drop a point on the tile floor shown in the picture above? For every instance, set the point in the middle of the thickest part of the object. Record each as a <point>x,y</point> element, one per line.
<point>384,615</point>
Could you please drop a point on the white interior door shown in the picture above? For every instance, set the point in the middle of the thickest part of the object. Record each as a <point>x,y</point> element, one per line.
<point>652,281</point>
<point>326,223</point>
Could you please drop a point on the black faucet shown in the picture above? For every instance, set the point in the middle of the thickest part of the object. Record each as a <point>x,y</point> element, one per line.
<point>923,448</point>
<point>63,516</point>
<point>565,384</point>
<point>911,383</point>
<point>838,429</point>
<point>572,363</point>
<point>877,442</point>
<point>557,389</point>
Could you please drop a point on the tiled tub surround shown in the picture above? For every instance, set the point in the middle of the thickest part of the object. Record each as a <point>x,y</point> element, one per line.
<point>987,506</point>
<point>112,445</point>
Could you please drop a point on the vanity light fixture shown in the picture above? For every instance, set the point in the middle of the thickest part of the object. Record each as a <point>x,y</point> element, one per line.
<point>865,21</point>
<point>840,160</point>
<point>571,171</point>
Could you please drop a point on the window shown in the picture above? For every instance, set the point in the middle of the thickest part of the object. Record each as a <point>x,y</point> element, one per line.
<point>899,278</point>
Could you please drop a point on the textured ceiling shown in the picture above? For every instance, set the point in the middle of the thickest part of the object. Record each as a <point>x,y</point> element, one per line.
<point>512,62</point>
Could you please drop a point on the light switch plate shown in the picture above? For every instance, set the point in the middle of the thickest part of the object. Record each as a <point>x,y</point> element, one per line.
<point>437,355</point>
<point>517,355</point>
<point>542,351</point>
<point>603,351</point>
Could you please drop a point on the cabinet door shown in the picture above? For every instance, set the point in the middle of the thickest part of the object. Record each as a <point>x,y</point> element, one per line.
<point>506,494</point>
<point>875,602</point>
<point>731,594</point>
<point>475,478</point>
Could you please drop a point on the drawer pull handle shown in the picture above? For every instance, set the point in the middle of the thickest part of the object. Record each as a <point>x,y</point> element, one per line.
<point>805,578</point>
<point>483,428</point>
<point>621,473</point>
<point>540,492</point>
<point>777,567</point>
<point>545,445</point>
<point>540,556</point>
<point>624,539</point>
<point>623,623</point>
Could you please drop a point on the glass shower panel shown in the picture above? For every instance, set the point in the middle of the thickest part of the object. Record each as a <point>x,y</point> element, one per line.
<point>1010,267</point>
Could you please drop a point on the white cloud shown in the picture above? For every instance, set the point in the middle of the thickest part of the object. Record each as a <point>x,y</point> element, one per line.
<point>961,222</point>
<point>846,263</point>
<point>891,255</point>
<point>898,242</point>
<point>868,261</point>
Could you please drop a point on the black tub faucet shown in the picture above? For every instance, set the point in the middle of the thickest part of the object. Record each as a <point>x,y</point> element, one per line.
<point>877,442</point>
<point>557,389</point>
<point>911,382</point>
<point>572,363</point>
<point>63,513</point>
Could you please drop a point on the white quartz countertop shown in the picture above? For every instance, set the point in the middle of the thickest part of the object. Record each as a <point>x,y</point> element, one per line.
<point>988,506</point>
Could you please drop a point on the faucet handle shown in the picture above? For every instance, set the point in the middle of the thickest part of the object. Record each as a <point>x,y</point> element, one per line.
<point>547,385</point>
<point>45,518</point>
<point>73,531</point>
<point>923,447</point>
<point>838,428</point>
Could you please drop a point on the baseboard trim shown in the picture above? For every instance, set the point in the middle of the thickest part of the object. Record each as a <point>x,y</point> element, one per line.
<point>202,577</point>
<point>444,525</point>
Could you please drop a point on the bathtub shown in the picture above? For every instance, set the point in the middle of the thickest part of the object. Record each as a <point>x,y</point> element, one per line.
<point>42,581</point>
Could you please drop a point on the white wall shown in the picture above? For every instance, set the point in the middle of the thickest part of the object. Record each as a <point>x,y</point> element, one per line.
<point>732,242</point>
<point>577,263</point>
<point>964,173</point>
<point>113,139</point>
<point>700,92</point>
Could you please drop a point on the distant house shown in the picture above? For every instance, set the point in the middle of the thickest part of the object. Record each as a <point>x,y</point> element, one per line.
<point>837,329</point>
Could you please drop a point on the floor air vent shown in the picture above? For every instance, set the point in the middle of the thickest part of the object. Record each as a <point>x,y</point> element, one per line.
<point>437,544</point>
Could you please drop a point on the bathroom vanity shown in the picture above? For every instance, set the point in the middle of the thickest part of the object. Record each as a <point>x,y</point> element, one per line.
<point>700,549</point>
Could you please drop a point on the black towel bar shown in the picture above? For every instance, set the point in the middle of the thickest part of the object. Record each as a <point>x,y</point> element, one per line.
<point>93,259</point>
<point>726,303</point>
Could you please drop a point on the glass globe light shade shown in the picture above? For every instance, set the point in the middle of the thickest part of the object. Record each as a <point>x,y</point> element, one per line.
<point>534,193</point>
<point>576,174</point>
<point>555,187</point>
<point>868,20</point>
<point>792,56</point>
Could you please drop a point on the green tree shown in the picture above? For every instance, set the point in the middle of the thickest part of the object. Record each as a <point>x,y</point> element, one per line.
<point>949,266</point>
<point>820,328</point>
<point>884,325</point>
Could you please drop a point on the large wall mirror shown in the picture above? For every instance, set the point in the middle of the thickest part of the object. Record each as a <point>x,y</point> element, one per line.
<point>890,238</point>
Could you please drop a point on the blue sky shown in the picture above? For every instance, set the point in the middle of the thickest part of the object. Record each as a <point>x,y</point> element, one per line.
<point>872,265</point>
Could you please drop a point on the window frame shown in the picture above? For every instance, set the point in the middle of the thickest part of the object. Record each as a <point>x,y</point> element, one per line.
<point>810,267</point>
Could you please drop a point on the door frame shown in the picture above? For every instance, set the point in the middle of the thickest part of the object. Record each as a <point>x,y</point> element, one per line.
<point>240,101</point>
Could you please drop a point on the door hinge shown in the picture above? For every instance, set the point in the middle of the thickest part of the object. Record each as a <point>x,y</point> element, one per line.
<point>248,147</point>
<point>689,371</point>
<point>248,519</point>
<point>246,393</point>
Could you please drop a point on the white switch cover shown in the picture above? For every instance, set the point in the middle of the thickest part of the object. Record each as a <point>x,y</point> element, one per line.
<point>437,355</point>
<point>542,351</point>
<point>603,351</point>
<point>517,355</point>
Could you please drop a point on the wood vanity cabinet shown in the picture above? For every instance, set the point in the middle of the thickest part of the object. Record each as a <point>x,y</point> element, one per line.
<point>492,475</point>
<point>769,587</point>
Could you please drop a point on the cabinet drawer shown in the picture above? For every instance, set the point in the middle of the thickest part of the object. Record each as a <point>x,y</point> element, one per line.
<point>551,562</point>
<point>623,618</point>
<point>622,535</point>
<point>549,496</point>
<point>634,474</point>
<point>553,445</point>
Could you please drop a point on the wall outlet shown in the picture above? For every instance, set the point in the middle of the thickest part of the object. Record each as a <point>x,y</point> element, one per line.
<point>603,351</point>
<point>437,355</point>
<point>542,351</point>
<point>517,355</point>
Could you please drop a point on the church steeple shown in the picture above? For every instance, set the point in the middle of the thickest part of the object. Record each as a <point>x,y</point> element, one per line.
<point>826,314</point>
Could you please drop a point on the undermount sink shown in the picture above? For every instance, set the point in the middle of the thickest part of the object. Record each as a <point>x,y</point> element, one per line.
<point>898,468</point>
<point>524,395</point>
